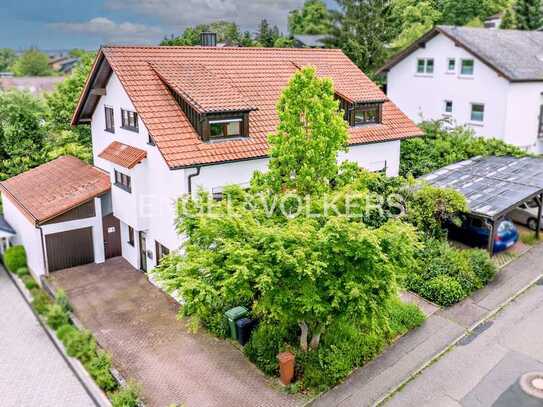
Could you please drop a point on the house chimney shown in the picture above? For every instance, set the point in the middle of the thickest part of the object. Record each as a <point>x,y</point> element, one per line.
<point>208,39</point>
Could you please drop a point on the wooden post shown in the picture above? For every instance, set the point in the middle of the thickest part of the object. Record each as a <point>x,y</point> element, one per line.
<point>539,209</point>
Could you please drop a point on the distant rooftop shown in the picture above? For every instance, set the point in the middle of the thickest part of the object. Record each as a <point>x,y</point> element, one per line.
<point>492,185</point>
<point>36,85</point>
<point>516,55</point>
<point>311,41</point>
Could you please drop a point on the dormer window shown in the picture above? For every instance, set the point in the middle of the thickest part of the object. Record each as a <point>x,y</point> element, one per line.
<point>225,128</point>
<point>364,114</point>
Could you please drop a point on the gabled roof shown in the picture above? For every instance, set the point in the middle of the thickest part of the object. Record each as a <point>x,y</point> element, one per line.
<point>253,77</point>
<point>515,55</point>
<point>47,191</point>
<point>124,155</point>
<point>205,91</point>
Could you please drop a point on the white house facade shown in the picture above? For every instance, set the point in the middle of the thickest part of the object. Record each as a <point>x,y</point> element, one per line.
<point>170,121</point>
<point>489,80</point>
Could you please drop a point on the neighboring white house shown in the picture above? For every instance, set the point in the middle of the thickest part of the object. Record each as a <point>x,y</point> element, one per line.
<point>168,121</point>
<point>490,80</point>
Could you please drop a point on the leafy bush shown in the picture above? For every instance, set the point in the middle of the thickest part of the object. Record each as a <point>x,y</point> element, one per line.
<point>62,300</point>
<point>81,345</point>
<point>56,316</point>
<point>482,265</point>
<point>65,332</point>
<point>404,317</point>
<point>443,268</point>
<point>266,341</point>
<point>22,271</point>
<point>443,145</point>
<point>443,290</point>
<point>29,282</point>
<point>41,301</point>
<point>98,367</point>
<point>15,258</point>
<point>126,397</point>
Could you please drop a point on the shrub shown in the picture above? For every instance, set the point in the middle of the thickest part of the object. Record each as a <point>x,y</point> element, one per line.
<point>404,317</point>
<point>443,290</point>
<point>482,265</point>
<point>56,316</point>
<point>65,332</point>
<point>98,367</point>
<point>22,271</point>
<point>126,397</point>
<point>62,300</point>
<point>266,341</point>
<point>41,301</point>
<point>81,345</point>
<point>15,258</point>
<point>29,282</point>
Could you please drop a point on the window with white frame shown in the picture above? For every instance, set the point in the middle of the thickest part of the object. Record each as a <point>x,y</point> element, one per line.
<point>467,67</point>
<point>477,112</point>
<point>225,128</point>
<point>425,65</point>
<point>448,106</point>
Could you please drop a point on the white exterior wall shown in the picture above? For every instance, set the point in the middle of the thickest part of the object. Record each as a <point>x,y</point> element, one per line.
<point>423,96</point>
<point>522,120</point>
<point>150,207</point>
<point>31,238</point>
<point>27,235</point>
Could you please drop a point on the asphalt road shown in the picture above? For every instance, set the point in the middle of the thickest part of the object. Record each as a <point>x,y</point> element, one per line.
<point>484,368</point>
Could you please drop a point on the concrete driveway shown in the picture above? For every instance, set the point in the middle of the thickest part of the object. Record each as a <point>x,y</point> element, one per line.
<point>137,323</point>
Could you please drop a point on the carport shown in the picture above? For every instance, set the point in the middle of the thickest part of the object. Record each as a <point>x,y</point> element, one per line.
<point>493,186</point>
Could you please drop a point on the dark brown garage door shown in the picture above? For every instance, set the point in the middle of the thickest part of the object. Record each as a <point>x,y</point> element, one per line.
<point>69,249</point>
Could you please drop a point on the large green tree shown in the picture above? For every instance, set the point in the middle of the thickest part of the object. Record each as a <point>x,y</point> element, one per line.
<point>313,18</point>
<point>310,133</point>
<point>528,14</point>
<point>22,132</point>
<point>364,29</point>
<point>32,62</point>
<point>414,17</point>
<point>62,102</point>
<point>7,57</point>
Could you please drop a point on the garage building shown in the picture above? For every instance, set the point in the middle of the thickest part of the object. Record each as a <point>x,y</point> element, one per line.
<point>61,214</point>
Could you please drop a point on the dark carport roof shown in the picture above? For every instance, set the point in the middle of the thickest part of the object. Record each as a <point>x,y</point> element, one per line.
<point>492,185</point>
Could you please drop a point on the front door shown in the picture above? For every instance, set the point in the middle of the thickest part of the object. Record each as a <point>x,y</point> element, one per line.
<point>143,252</point>
<point>112,236</point>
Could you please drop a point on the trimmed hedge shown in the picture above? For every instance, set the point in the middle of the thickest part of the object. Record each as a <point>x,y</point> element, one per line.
<point>15,258</point>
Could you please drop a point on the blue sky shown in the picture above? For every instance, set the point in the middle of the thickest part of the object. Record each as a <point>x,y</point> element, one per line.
<point>60,24</point>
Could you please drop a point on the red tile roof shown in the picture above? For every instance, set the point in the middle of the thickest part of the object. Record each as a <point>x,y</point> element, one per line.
<point>252,76</point>
<point>123,155</point>
<point>54,188</point>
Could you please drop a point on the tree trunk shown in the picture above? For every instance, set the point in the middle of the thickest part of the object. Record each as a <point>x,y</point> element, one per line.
<point>303,335</point>
<point>315,340</point>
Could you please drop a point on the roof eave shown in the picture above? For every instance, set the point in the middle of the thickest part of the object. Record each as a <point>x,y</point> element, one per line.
<point>86,89</point>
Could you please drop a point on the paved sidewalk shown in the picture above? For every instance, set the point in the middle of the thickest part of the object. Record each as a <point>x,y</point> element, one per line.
<point>32,371</point>
<point>483,368</point>
<point>372,382</point>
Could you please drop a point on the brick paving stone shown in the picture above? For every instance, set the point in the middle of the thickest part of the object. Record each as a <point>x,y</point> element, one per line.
<point>32,371</point>
<point>137,323</point>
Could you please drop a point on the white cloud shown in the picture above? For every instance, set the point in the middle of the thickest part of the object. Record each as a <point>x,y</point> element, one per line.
<point>108,30</point>
<point>182,13</point>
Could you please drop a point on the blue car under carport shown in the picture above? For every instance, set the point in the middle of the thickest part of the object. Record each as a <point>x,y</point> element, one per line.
<point>475,232</point>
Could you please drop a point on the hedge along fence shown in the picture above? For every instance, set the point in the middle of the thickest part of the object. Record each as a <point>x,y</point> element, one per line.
<point>78,343</point>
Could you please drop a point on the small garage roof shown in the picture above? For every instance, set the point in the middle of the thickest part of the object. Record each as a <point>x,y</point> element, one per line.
<point>47,191</point>
<point>492,185</point>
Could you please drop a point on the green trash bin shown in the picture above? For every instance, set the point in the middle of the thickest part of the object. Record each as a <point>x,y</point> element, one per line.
<point>232,315</point>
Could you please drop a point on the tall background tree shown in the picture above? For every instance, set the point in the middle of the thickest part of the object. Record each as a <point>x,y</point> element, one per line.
<point>313,18</point>
<point>364,29</point>
<point>7,58</point>
<point>509,21</point>
<point>414,18</point>
<point>32,63</point>
<point>528,14</point>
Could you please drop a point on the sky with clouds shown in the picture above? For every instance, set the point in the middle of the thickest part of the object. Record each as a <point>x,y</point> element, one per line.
<point>62,24</point>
